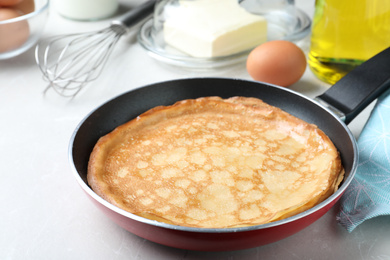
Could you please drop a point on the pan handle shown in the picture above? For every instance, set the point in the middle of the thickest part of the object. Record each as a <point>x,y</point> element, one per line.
<point>357,89</point>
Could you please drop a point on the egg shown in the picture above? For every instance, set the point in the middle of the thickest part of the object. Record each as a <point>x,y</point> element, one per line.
<point>9,2</point>
<point>26,6</point>
<point>277,62</point>
<point>14,34</point>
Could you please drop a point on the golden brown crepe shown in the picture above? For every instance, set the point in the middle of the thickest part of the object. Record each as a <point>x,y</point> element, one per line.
<point>215,163</point>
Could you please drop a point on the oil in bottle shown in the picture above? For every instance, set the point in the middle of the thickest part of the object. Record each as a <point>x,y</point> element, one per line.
<point>345,33</point>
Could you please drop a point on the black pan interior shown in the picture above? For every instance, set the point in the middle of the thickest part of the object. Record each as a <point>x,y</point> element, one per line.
<point>131,104</point>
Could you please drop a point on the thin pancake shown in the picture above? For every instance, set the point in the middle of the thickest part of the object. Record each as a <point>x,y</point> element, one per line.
<point>215,163</point>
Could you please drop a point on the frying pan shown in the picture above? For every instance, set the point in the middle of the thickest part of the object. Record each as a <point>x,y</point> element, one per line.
<point>331,111</point>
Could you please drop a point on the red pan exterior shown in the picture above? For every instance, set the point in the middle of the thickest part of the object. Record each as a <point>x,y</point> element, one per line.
<point>129,105</point>
<point>206,241</point>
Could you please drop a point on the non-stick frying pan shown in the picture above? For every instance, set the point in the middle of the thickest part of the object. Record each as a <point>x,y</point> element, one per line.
<point>343,102</point>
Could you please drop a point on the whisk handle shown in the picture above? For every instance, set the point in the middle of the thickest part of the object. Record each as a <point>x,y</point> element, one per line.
<point>135,15</point>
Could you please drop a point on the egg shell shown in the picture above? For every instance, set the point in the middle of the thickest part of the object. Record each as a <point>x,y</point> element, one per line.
<point>9,2</point>
<point>277,62</point>
<point>13,34</point>
<point>26,6</point>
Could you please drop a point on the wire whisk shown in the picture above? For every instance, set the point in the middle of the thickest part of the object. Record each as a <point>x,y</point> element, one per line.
<point>69,62</point>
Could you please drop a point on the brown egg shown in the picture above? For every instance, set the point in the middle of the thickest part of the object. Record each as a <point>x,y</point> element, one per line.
<point>9,2</point>
<point>26,6</point>
<point>277,62</point>
<point>12,35</point>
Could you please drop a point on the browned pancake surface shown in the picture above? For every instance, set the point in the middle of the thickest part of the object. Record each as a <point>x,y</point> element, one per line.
<point>215,163</point>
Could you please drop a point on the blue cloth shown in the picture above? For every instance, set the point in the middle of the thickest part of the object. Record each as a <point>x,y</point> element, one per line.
<point>368,195</point>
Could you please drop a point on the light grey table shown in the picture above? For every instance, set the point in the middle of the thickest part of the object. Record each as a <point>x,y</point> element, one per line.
<point>46,215</point>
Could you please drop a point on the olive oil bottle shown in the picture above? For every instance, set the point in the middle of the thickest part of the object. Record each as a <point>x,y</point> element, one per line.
<point>345,33</point>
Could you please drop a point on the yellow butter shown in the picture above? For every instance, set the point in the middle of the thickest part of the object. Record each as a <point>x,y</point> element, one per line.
<point>211,28</point>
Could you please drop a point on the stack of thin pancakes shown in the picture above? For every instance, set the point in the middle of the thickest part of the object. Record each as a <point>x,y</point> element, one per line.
<point>215,163</point>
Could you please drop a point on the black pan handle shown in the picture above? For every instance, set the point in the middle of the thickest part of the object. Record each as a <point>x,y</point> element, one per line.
<point>357,89</point>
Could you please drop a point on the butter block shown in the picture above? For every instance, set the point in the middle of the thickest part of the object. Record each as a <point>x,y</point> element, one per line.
<point>212,28</point>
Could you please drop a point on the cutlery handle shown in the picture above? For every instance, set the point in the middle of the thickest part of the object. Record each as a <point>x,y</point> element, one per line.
<point>135,15</point>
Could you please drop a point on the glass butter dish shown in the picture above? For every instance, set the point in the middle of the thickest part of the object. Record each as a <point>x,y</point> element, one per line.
<point>204,34</point>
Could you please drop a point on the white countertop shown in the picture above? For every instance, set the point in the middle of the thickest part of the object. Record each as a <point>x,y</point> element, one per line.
<point>46,215</point>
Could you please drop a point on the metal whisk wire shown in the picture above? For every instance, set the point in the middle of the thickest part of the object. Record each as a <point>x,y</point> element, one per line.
<point>69,62</point>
